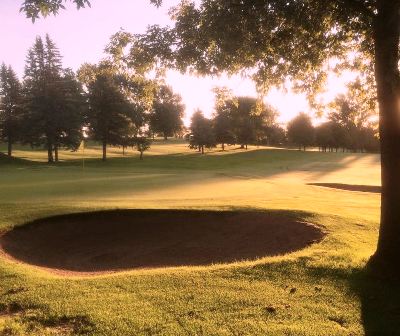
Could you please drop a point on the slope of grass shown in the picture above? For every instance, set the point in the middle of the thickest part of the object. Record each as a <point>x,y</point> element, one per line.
<point>322,290</point>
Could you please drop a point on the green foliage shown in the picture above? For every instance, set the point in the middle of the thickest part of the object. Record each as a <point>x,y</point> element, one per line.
<point>34,8</point>
<point>142,144</point>
<point>10,107</point>
<point>109,111</point>
<point>52,100</point>
<point>202,132</point>
<point>267,36</point>
<point>301,131</point>
<point>167,113</point>
<point>118,103</point>
<point>243,120</point>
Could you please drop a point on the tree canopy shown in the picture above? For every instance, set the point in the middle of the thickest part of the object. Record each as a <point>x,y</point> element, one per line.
<point>10,107</point>
<point>301,131</point>
<point>52,100</point>
<point>167,113</point>
<point>33,9</point>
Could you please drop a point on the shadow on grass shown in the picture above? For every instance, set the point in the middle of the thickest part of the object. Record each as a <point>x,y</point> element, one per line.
<point>350,187</point>
<point>380,305</point>
<point>380,299</point>
<point>15,161</point>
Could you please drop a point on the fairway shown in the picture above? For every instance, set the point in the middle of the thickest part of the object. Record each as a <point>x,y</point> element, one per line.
<point>321,289</point>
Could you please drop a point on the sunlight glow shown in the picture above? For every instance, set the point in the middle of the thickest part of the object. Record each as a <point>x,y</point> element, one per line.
<point>82,36</point>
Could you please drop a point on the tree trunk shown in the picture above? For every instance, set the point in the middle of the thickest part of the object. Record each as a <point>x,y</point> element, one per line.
<point>50,158</point>
<point>104,150</point>
<point>141,155</point>
<point>386,260</point>
<point>202,149</point>
<point>123,150</point>
<point>165,136</point>
<point>9,148</point>
<point>56,153</point>
<point>223,146</point>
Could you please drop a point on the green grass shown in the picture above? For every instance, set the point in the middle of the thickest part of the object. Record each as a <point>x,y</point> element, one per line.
<point>322,290</point>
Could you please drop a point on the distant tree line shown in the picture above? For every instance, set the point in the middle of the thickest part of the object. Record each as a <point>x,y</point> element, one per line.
<point>248,121</point>
<point>236,121</point>
<point>117,105</point>
<point>343,131</point>
<point>55,108</point>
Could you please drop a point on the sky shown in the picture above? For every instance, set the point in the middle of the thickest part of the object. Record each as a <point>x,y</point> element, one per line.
<point>82,35</point>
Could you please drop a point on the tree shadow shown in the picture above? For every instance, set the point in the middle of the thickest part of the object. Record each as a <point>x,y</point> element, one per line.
<point>380,302</point>
<point>349,187</point>
<point>380,299</point>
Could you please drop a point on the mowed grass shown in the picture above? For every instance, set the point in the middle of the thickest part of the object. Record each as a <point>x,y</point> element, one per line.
<point>322,290</point>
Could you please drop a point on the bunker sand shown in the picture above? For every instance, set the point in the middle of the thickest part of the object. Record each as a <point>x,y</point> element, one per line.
<point>110,241</point>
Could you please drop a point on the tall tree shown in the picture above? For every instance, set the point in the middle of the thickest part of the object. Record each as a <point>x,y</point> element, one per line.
<point>246,115</point>
<point>52,100</point>
<point>223,121</point>
<point>10,107</point>
<point>202,132</point>
<point>301,131</point>
<point>109,119</point>
<point>167,113</point>
<point>71,115</point>
<point>118,103</point>
<point>324,136</point>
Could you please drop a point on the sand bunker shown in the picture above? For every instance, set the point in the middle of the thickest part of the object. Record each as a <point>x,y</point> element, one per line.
<point>110,241</point>
<point>349,187</point>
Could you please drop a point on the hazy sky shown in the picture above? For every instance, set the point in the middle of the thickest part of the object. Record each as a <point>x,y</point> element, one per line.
<point>82,35</point>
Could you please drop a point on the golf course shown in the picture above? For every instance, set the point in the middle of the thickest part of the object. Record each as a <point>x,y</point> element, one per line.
<point>313,282</point>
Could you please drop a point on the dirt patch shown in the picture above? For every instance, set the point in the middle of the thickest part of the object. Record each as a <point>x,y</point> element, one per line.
<point>130,239</point>
<point>349,187</point>
<point>11,309</point>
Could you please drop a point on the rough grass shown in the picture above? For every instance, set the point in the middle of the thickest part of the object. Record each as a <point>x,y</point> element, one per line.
<point>322,290</point>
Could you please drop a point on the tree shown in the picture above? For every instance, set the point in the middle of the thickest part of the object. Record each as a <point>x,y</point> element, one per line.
<point>223,128</point>
<point>267,131</point>
<point>274,135</point>
<point>118,103</point>
<point>73,109</point>
<point>33,9</point>
<point>223,121</point>
<point>10,107</point>
<point>202,132</point>
<point>293,40</point>
<point>324,136</point>
<point>142,145</point>
<point>353,113</point>
<point>52,101</point>
<point>301,131</point>
<point>108,117</point>
<point>167,113</point>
